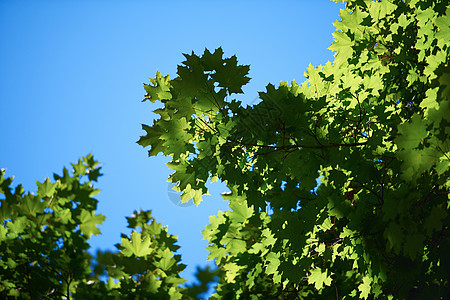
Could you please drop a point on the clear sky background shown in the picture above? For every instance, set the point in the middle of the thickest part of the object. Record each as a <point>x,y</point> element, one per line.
<point>71,83</point>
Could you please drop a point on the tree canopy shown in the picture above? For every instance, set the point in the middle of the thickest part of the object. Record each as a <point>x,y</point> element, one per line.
<point>44,243</point>
<point>338,186</point>
<point>372,127</point>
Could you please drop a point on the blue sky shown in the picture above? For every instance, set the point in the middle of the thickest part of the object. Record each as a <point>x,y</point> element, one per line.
<point>71,83</point>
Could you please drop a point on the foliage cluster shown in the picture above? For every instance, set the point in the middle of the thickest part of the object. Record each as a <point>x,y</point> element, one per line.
<point>44,243</point>
<point>372,127</point>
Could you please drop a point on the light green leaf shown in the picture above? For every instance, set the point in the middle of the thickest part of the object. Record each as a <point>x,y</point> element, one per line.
<point>166,261</point>
<point>159,89</point>
<point>273,262</point>
<point>89,222</point>
<point>137,246</point>
<point>319,278</point>
<point>241,211</point>
<point>46,189</point>
<point>365,287</point>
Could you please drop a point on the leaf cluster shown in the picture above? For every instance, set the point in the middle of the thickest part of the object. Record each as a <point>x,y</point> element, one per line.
<point>44,243</point>
<point>353,164</point>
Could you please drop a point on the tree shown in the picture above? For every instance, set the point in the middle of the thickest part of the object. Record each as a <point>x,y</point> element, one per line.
<point>372,127</point>
<point>44,242</point>
<point>43,239</point>
<point>338,187</point>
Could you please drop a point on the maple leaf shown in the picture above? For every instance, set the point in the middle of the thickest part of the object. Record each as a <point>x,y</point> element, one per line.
<point>160,88</point>
<point>231,76</point>
<point>319,278</point>
<point>273,262</point>
<point>46,189</point>
<point>32,205</point>
<point>212,61</point>
<point>79,168</point>
<point>166,261</point>
<point>137,246</point>
<point>241,211</point>
<point>365,287</point>
<point>89,221</point>
<point>412,133</point>
<point>434,221</point>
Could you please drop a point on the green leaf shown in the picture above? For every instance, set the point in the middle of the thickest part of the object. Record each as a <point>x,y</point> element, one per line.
<point>3,233</point>
<point>17,226</point>
<point>412,133</point>
<point>137,246</point>
<point>63,215</point>
<point>167,261</point>
<point>159,89</point>
<point>46,189</point>
<point>414,245</point>
<point>417,161</point>
<point>231,270</point>
<point>273,262</point>
<point>231,76</point>
<point>443,23</point>
<point>352,20</point>
<point>236,245</point>
<point>32,205</point>
<point>433,222</point>
<point>79,168</point>
<point>241,211</point>
<point>365,287</point>
<point>89,221</point>
<point>319,278</point>
<point>394,236</point>
<point>342,44</point>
